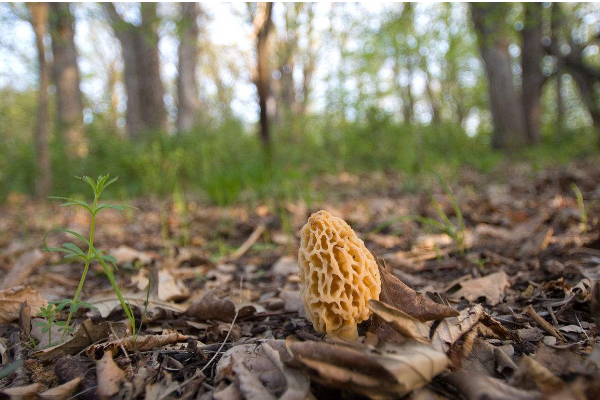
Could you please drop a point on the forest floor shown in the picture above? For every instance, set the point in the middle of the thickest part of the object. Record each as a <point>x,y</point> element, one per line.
<point>223,316</point>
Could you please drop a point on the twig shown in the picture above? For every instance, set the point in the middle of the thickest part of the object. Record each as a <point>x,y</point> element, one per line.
<point>544,324</point>
<point>246,245</point>
<point>20,378</point>
<point>579,322</point>
<point>550,311</point>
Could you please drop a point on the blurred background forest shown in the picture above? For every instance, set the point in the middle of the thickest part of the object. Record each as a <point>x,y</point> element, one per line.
<point>240,102</point>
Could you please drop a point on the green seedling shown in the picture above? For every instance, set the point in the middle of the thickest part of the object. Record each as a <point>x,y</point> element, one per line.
<point>455,231</point>
<point>581,206</point>
<point>49,315</point>
<point>72,251</point>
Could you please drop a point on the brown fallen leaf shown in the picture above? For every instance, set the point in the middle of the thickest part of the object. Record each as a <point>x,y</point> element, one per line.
<point>297,383</point>
<point>161,389</point>
<point>86,334</point>
<point>210,307</point>
<point>61,392</point>
<point>110,376</point>
<point>24,266</point>
<point>141,343</point>
<point>262,365</point>
<point>389,371</point>
<point>474,386</point>
<point>531,374</point>
<point>491,287</point>
<point>12,299</point>
<point>250,386</point>
<point>451,329</point>
<point>404,324</point>
<point>127,255</point>
<point>169,288</point>
<point>21,392</point>
<point>395,293</point>
<point>486,359</point>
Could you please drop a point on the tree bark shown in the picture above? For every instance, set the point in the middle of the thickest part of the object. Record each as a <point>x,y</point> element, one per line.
<point>145,92</point>
<point>66,77</point>
<point>586,77</point>
<point>187,84</point>
<point>533,78</point>
<point>505,103</point>
<point>262,25</point>
<point>43,177</point>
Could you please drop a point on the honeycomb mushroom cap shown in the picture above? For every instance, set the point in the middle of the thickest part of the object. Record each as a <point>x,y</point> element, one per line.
<point>338,275</point>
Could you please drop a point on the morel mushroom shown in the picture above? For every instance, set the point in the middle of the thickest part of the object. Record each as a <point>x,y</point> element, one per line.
<point>338,276</point>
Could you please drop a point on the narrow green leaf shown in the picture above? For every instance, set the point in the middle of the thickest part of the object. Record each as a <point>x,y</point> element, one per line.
<point>77,235</point>
<point>74,248</point>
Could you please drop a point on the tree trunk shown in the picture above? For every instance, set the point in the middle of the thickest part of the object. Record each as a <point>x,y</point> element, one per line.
<point>505,104</point>
<point>43,177</point>
<point>533,78</point>
<point>145,92</point>
<point>66,77</point>
<point>262,25</point>
<point>187,84</point>
<point>560,107</point>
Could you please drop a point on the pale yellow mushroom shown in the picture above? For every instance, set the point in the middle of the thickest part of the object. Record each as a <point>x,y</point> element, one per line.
<point>338,276</point>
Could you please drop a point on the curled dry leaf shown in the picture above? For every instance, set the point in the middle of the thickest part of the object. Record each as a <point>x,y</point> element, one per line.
<point>404,324</point>
<point>249,385</point>
<point>110,377</point>
<point>161,389</point>
<point>261,372</point>
<point>61,392</point>
<point>531,374</point>
<point>395,293</point>
<point>12,299</point>
<point>86,334</point>
<point>210,307</point>
<point>451,329</point>
<point>491,287</point>
<point>21,392</point>
<point>126,255</point>
<point>169,288</point>
<point>141,343</point>
<point>476,386</point>
<point>389,371</point>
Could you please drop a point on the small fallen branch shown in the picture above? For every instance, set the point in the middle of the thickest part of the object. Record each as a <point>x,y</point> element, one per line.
<point>252,239</point>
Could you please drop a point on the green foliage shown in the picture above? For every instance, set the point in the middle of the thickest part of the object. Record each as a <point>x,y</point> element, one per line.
<point>72,251</point>
<point>225,163</point>
<point>581,206</point>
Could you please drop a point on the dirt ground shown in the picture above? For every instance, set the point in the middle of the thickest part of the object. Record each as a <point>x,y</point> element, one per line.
<point>503,305</point>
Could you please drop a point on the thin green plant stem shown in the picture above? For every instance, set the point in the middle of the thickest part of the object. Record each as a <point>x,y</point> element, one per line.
<point>115,287</point>
<point>87,264</point>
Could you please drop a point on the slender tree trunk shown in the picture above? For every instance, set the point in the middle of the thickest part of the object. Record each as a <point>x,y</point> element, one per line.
<point>187,84</point>
<point>560,107</point>
<point>43,177</point>
<point>145,92</point>
<point>505,103</point>
<point>66,77</point>
<point>585,76</point>
<point>310,63</point>
<point>262,25</point>
<point>533,78</point>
